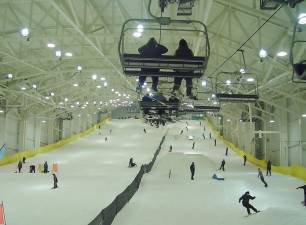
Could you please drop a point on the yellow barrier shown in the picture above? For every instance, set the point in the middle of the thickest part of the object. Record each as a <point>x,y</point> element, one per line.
<point>31,153</point>
<point>297,171</point>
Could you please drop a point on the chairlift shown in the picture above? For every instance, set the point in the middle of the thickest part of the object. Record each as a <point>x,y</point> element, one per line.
<point>298,66</point>
<point>237,88</point>
<point>167,65</point>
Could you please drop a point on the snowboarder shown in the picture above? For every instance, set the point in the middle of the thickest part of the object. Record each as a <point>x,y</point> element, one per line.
<point>260,175</point>
<point>203,136</point>
<point>144,130</point>
<point>215,142</point>
<point>23,159</point>
<point>105,139</point>
<point>46,167</point>
<point>210,135</point>
<point>131,163</point>
<point>186,128</point>
<point>170,149</point>
<point>181,132</point>
<point>303,187</point>
<point>269,164</point>
<point>245,202</point>
<point>244,159</point>
<point>200,123</point>
<point>99,129</point>
<point>192,170</point>
<point>222,165</point>
<point>55,181</point>
<point>19,166</point>
<point>193,145</point>
<point>226,151</point>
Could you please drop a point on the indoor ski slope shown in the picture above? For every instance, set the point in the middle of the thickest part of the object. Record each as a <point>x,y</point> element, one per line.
<point>91,173</point>
<point>181,201</point>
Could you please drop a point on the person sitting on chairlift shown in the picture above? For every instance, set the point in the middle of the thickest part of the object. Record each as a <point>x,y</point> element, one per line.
<point>153,50</point>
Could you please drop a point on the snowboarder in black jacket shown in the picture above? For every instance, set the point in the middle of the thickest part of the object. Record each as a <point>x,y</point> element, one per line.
<point>222,165</point>
<point>192,170</point>
<point>303,187</point>
<point>245,202</point>
<point>269,165</point>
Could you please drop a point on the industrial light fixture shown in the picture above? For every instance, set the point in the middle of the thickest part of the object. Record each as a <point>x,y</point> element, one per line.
<point>272,121</point>
<point>52,94</point>
<point>113,90</point>
<point>204,83</point>
<point>68,54</point>
<point>228,120</point>
<point>242,70</point>
<point>9,76</point>
<point>250,79</point>
<point>148,90</point>
<point>302,18</point>
<point>75,85</point>
<point>281,54</point>
<point>263,53</point>
<point>140,28</point>
<point>99,86</point>
<point>23,88</point>
<point>47,97</point>
<point>51,45</point>
<point>34,86</point>
<point>61,103</point>
<point>102,78</point>
<point>66,99</point>
<point>94,76</point>
<point>1,111</point>
<point>137,34</point>
<point>25,32</point>
<point>43,121</point>
<point>58,53</point>
<point>79,68</point>
<point>105,84</point>
<point>228,82</point>
<point>304,115</point>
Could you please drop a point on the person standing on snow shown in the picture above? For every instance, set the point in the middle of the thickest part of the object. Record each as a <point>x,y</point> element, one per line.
<point>269,165</point>
<point>192,170</point>
<point>222,165</point>
<point>245,202</point>
<point>244,159</point>
<point>260,175</point>
<point>303,187</point>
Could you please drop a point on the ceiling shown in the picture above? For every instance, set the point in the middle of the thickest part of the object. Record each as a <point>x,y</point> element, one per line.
<point>90,30</point>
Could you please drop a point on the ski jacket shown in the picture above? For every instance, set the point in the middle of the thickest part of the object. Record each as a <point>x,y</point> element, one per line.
<point>246,198</point>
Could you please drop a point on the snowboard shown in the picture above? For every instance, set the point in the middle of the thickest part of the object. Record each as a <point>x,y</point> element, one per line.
<point>252,213</point>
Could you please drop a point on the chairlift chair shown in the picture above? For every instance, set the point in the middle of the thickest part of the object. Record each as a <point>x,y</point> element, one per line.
<point>168,65</point>
<point>298,66</point>
<point>239,90</point>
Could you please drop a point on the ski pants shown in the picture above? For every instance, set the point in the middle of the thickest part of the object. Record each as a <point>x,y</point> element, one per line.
<point>248,206</point>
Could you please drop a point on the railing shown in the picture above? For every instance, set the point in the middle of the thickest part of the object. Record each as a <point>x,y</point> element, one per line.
<point>107,215</point>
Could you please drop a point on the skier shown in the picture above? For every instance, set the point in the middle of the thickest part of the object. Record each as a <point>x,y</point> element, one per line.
<point>19,166</point>
<point>144,130</point>
<point>222,165</point>
<point>181,132</point>
<point>193,145</point>
<point>46,167</point>
<point>105,139</point>
<point>215,142</point>
<point>23,159</point>
<point>192,169</point>
<point>245,202</point>
<point>269,164</point>
<point>99,129</point>
<point>260,175</point>
<point>203,136</point>
<point>55,181</point>
<point>186,128</point>
<point>303,187</point>
<point>131,163</point>
<point>226,151</point>
<point>210,135</point>
<point>200,123</point>
<point>170,149</point>
<point>244,159</point>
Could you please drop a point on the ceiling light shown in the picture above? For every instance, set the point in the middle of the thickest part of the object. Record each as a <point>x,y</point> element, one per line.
<point>213,95</point>
<point>105,84</point>
<point>94,102</point>
<point>102,78</point>
<point>79,68</point>
<point>25,32</point>
<point>272,121</point>
<point>302,18</point>
<point>101,102</point>
<point>98,86</point>
<point>1,111</point>
<point>77,103</point>
<point>51,45</point>
<point>47,97</point>
<point>242,70</point>
<point>52,94</point>
<point>34,86</point>
<point>228,82</point>
<point>140,28</point>
<point>137,34</point>
<point>44,121</point>
<point>68,54</point>
<point>94,76</point>
<point>58,53</point>
<point>23,88</point>
<point>72,106</point>
<point>263,53</point>
<point>9,76</point>
<point>83,107</point>
<point>281,54</point>
<point>75,85</point>
<point>61,103</point>
<point>113,90</point>
<point>228,120</point>
<point>304,115</point>
<point>215,103</point>
<point>250,79</point>
<point>204,83</point>
<point>66,99</point>
<point>86,103</point>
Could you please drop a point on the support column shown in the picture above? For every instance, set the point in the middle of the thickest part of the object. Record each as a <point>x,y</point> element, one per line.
<point>50,131</point>
<point>37,132</point>
<point>22,127</point>
<point>2,129</point>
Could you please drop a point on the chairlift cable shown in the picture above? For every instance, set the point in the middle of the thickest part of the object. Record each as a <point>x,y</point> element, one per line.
<point>258,29</point>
